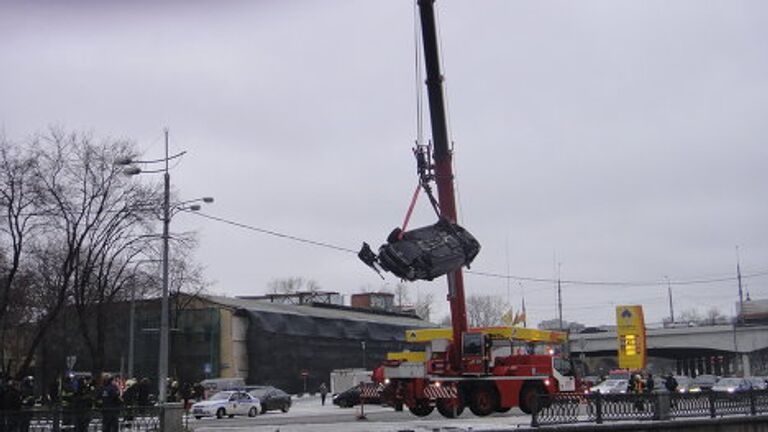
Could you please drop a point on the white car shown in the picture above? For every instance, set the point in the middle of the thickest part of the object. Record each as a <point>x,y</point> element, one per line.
<point>610,386</point>
<point>227,403</point>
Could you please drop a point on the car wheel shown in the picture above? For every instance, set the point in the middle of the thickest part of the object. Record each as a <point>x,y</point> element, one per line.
<point>252,412</point>
<point>285,408</point>
<point>263,409</point>
<point>220,413</point>
<point>231,416</point>
<point>198,417</point>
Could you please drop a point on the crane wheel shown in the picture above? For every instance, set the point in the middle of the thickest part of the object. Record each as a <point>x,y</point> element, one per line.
<point>529,396</point>
<point>421,409</point>
<point>483,400</point>
<point>450,408</point>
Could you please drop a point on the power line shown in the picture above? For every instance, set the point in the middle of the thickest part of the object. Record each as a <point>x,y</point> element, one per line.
<point>613,284</point>
<point>618,283</point>
<point>273,233</point>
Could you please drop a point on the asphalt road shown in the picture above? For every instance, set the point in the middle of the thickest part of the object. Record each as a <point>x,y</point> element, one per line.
<point>309,415</point>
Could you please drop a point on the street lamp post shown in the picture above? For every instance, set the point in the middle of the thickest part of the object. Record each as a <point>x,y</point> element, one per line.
<point>162,369</point>
<point>362,344</point>
<point>671,306</point>
<point>132,321</point>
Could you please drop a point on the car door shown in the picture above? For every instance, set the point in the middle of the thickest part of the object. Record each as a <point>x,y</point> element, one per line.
<point>269,399</point>
<point>244,402</point>
<point>232,405</point>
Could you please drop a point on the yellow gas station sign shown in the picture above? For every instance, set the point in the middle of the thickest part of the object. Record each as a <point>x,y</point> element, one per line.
<point>630,329</point>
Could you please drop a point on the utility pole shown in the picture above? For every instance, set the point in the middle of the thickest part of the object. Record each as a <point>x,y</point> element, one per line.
<point>559,299</point>
<point>671,307</point>
<point>162,373</point>
<point>740,315</point>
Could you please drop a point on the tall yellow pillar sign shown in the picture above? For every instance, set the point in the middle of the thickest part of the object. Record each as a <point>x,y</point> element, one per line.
<point>631,332</point>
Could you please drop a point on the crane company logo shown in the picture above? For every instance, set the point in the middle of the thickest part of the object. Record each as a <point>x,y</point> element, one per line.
<point>412,334</point>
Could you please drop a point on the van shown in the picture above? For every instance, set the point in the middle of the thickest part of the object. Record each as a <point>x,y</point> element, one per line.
<point>215,385</point>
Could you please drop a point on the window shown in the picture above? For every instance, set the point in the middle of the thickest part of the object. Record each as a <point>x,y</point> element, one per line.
<point>473,344</point>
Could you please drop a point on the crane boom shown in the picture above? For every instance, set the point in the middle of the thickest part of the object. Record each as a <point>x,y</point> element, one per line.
<point>443,157</point>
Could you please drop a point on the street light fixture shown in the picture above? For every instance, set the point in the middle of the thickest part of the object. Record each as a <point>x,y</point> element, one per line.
<point>162,374</point>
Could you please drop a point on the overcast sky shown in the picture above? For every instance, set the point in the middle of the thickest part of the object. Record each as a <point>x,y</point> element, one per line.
<point>622,139</point>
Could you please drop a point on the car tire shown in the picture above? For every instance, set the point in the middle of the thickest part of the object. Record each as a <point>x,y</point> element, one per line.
<point>263,409</point>
<point>253,412</point>
<point>285,408</point>
<point>198,417</point>
<point>220,413</point>
<point>231,416</point>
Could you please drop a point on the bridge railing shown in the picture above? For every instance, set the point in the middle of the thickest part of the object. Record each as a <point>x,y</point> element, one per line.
<point>61,419</point>
<point>599,408</point>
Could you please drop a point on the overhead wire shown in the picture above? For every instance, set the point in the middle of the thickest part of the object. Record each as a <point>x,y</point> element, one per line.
<point>613,284</point>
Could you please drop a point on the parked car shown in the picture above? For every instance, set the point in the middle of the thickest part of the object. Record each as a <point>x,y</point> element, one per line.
<point>703,383</point>
<point>684,383</point>
<point>227,403</point>
<point>351,397</point>
<point>611,386</point>
<point>215,385</point>
<point>757,383</point>
<point>731,385</point>
<point>271,398</point>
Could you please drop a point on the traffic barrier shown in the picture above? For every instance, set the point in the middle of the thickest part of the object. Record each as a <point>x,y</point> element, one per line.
<point>597,408</point>
<point>57,419</point>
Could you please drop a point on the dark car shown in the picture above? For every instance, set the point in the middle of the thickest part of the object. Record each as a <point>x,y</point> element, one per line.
<point>272,398</point>
<point>351,398</point>
<point>703,383</point>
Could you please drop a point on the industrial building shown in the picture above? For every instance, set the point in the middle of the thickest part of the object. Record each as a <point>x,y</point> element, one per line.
<point>292,341</point>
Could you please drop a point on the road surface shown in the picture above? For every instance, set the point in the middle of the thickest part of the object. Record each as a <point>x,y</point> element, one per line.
<point>307,414</point>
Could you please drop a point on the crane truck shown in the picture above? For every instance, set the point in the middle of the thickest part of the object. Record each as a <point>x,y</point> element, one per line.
<point>461,367</point>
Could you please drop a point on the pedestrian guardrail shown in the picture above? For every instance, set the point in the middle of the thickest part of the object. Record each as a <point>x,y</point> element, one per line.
<point>598,408</point>
<point>60,419</point>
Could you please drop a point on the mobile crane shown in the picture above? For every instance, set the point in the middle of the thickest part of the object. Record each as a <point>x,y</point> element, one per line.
<point>460,366</point>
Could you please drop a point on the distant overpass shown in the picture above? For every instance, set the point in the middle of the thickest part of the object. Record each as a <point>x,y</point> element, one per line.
<point>719,349</point>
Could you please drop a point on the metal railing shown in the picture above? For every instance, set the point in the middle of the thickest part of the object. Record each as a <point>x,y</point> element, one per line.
<point>137,419</point>
<point>598,408</point>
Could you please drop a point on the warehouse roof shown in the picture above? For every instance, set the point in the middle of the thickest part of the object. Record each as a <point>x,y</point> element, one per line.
<point>319,311</point>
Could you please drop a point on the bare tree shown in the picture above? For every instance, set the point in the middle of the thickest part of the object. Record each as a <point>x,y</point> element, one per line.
<point>485,311</point>
<point>714,316</point>
<point>424,305</point>
<point>401,295</point>
<point>690,316</point>
<point>445,321</point>
<point>293,285</point>
<point>19,204</point>
<point>95,219</point>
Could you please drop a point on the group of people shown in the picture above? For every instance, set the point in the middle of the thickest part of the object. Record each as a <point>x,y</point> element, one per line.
<point>645,383</point>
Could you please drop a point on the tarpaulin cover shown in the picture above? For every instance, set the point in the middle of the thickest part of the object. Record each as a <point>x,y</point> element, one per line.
<point>283,345</point>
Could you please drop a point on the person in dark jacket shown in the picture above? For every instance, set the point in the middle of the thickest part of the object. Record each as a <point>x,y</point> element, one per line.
<point>12,405</point>
<point>110,405</point>
<point>323,392</point>
<point>649,384</point>
<point>27,403</point>
<point>81,405</point>
<point>142,393</point>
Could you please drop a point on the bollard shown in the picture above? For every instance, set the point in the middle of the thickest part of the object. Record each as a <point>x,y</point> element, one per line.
<point>752,407</point>
<point>535,413</point>
<point>598,408</point>
<point>711,398</point>
<point>661,405</point>
<point>171,417</point>
<point>56,417</point>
